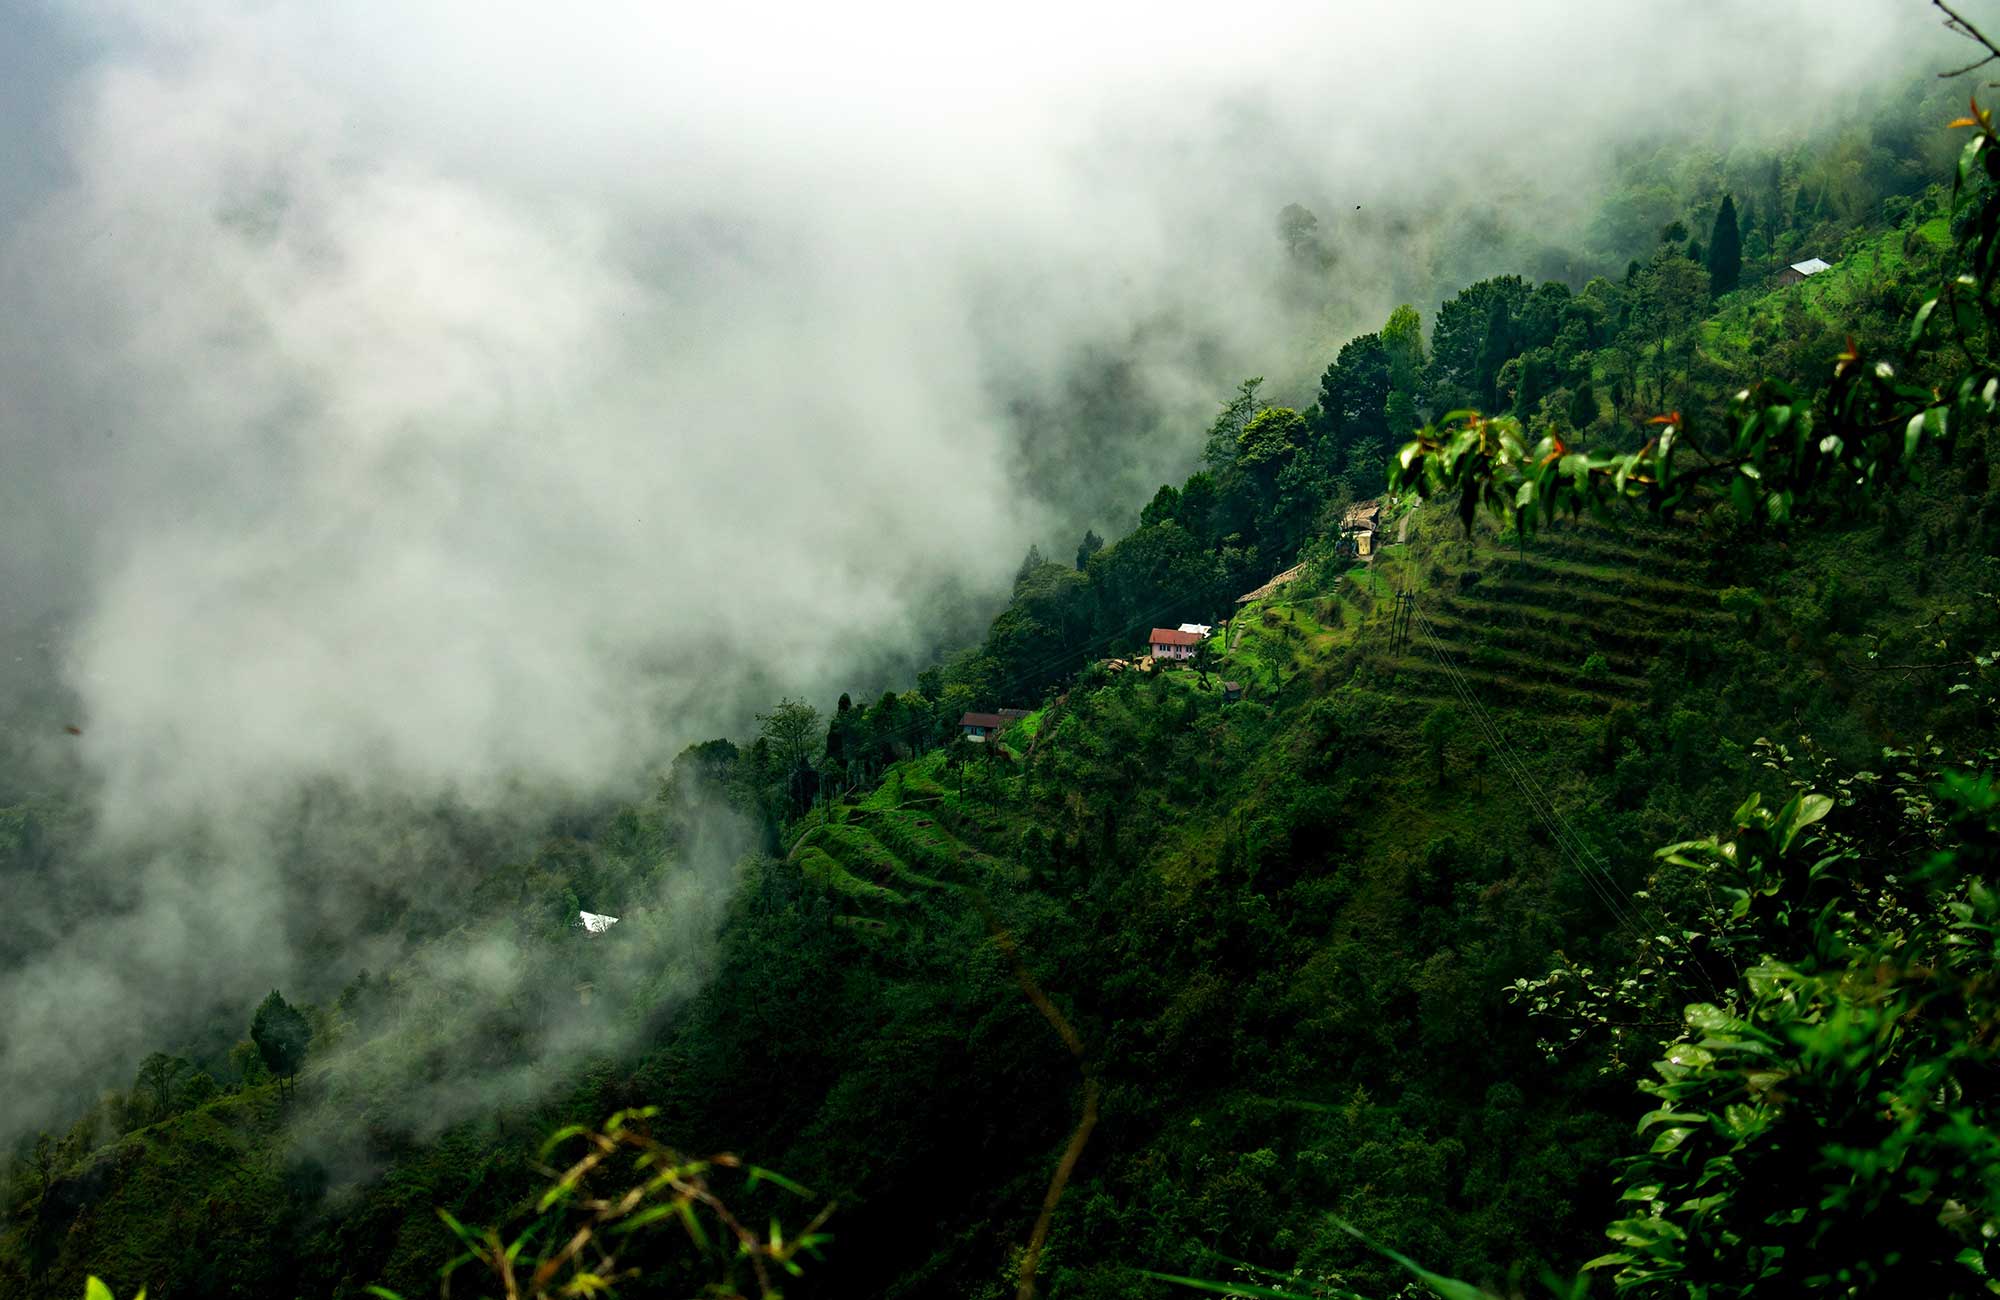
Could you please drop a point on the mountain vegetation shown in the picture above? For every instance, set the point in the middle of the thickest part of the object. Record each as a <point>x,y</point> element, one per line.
<point>1593,877</point>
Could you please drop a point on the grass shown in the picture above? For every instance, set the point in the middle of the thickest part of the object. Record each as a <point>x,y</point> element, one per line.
<point>1276,639</point>
<point>823,869</point>
<point>1830,296</point>
<point>863,854</point>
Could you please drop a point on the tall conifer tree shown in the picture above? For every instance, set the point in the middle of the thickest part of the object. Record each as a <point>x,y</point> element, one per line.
<point>1725,250</point>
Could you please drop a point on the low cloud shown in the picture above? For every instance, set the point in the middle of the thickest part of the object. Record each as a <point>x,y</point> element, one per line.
<point>447,404</point>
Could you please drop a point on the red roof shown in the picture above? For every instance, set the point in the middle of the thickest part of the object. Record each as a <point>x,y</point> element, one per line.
<point>992,720</point>
<point>1174,636</point>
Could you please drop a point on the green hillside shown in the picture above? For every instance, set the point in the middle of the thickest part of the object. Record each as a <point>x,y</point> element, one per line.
<point>1158,981</point>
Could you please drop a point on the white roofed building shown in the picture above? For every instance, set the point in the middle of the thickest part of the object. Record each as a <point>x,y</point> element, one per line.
<point>1798,271</point>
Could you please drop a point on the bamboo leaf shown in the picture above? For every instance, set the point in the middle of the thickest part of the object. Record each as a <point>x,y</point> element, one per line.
<point>1449,1288</point>
<point>1248,1289</point>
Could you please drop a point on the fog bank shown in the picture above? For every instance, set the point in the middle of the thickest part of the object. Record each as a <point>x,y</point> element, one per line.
<point>476,403</point>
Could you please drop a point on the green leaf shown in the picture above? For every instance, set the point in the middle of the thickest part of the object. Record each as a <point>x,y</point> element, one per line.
<point>459,1230</point>
<point>561,1136</point>
<point>692,1223</point>
<point>1691,1056</point>
<point>1710,1019</point>
<point>1922,319</point>
<point>1448,1287</point>
<point>651,1214</point>
<point>96,1290</point>
<point>558,1192</point>
<point>1802,811</point>
<point>1250,1289</point>
<point>758,1174</point>
<point>1669,1139</point>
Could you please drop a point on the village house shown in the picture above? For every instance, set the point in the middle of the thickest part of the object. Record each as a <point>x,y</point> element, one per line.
<point>1358,529</point>
<point>978,726</point>
<point>1798,271</point>
<point>1232,692</point>
<point>1172,643</point>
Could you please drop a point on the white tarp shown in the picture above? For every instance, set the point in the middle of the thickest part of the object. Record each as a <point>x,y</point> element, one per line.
<point>596,922</point>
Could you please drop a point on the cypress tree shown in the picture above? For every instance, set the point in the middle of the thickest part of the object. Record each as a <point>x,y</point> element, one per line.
<point>1582,407</point>
<point>281,1034</point>
<point>1497,348</point>
<point>1029,563</point>
<point>1725,250</point>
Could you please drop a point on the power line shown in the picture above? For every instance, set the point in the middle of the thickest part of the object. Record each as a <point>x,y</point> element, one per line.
<point>1539,800</point>
<point>1606,890</point>
<point>1591,865</point>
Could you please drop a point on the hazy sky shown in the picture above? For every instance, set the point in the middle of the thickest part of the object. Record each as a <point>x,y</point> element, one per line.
<point>454,399</point>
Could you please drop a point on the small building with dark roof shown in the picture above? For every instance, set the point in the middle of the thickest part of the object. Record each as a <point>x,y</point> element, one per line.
<point>1358,529</point>
<point>978,726</point>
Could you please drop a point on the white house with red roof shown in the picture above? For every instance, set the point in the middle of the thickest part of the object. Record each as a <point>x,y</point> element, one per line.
<point>1172,643</point>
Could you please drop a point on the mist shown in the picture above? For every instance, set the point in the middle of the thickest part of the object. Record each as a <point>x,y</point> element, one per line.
<point>472,404</point>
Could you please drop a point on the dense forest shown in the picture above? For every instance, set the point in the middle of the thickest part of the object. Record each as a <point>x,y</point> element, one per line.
<point>1578,868</point>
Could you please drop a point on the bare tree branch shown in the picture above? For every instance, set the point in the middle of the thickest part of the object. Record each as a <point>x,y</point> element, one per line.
<point>1957,23</point>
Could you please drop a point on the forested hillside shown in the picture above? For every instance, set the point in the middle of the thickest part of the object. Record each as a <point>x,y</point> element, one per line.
<point>1345,936</point>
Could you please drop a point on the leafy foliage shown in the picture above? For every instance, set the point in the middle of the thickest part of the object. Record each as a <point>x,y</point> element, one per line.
<point>584,1230</point>
<point>1786,451</point>
<point>1833,1126</point>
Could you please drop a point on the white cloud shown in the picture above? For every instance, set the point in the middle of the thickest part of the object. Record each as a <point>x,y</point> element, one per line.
<point>444,400</point>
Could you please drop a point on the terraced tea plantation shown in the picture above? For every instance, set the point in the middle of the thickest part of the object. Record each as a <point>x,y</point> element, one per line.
<point>893,853</point>
<point>1568,627</point>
